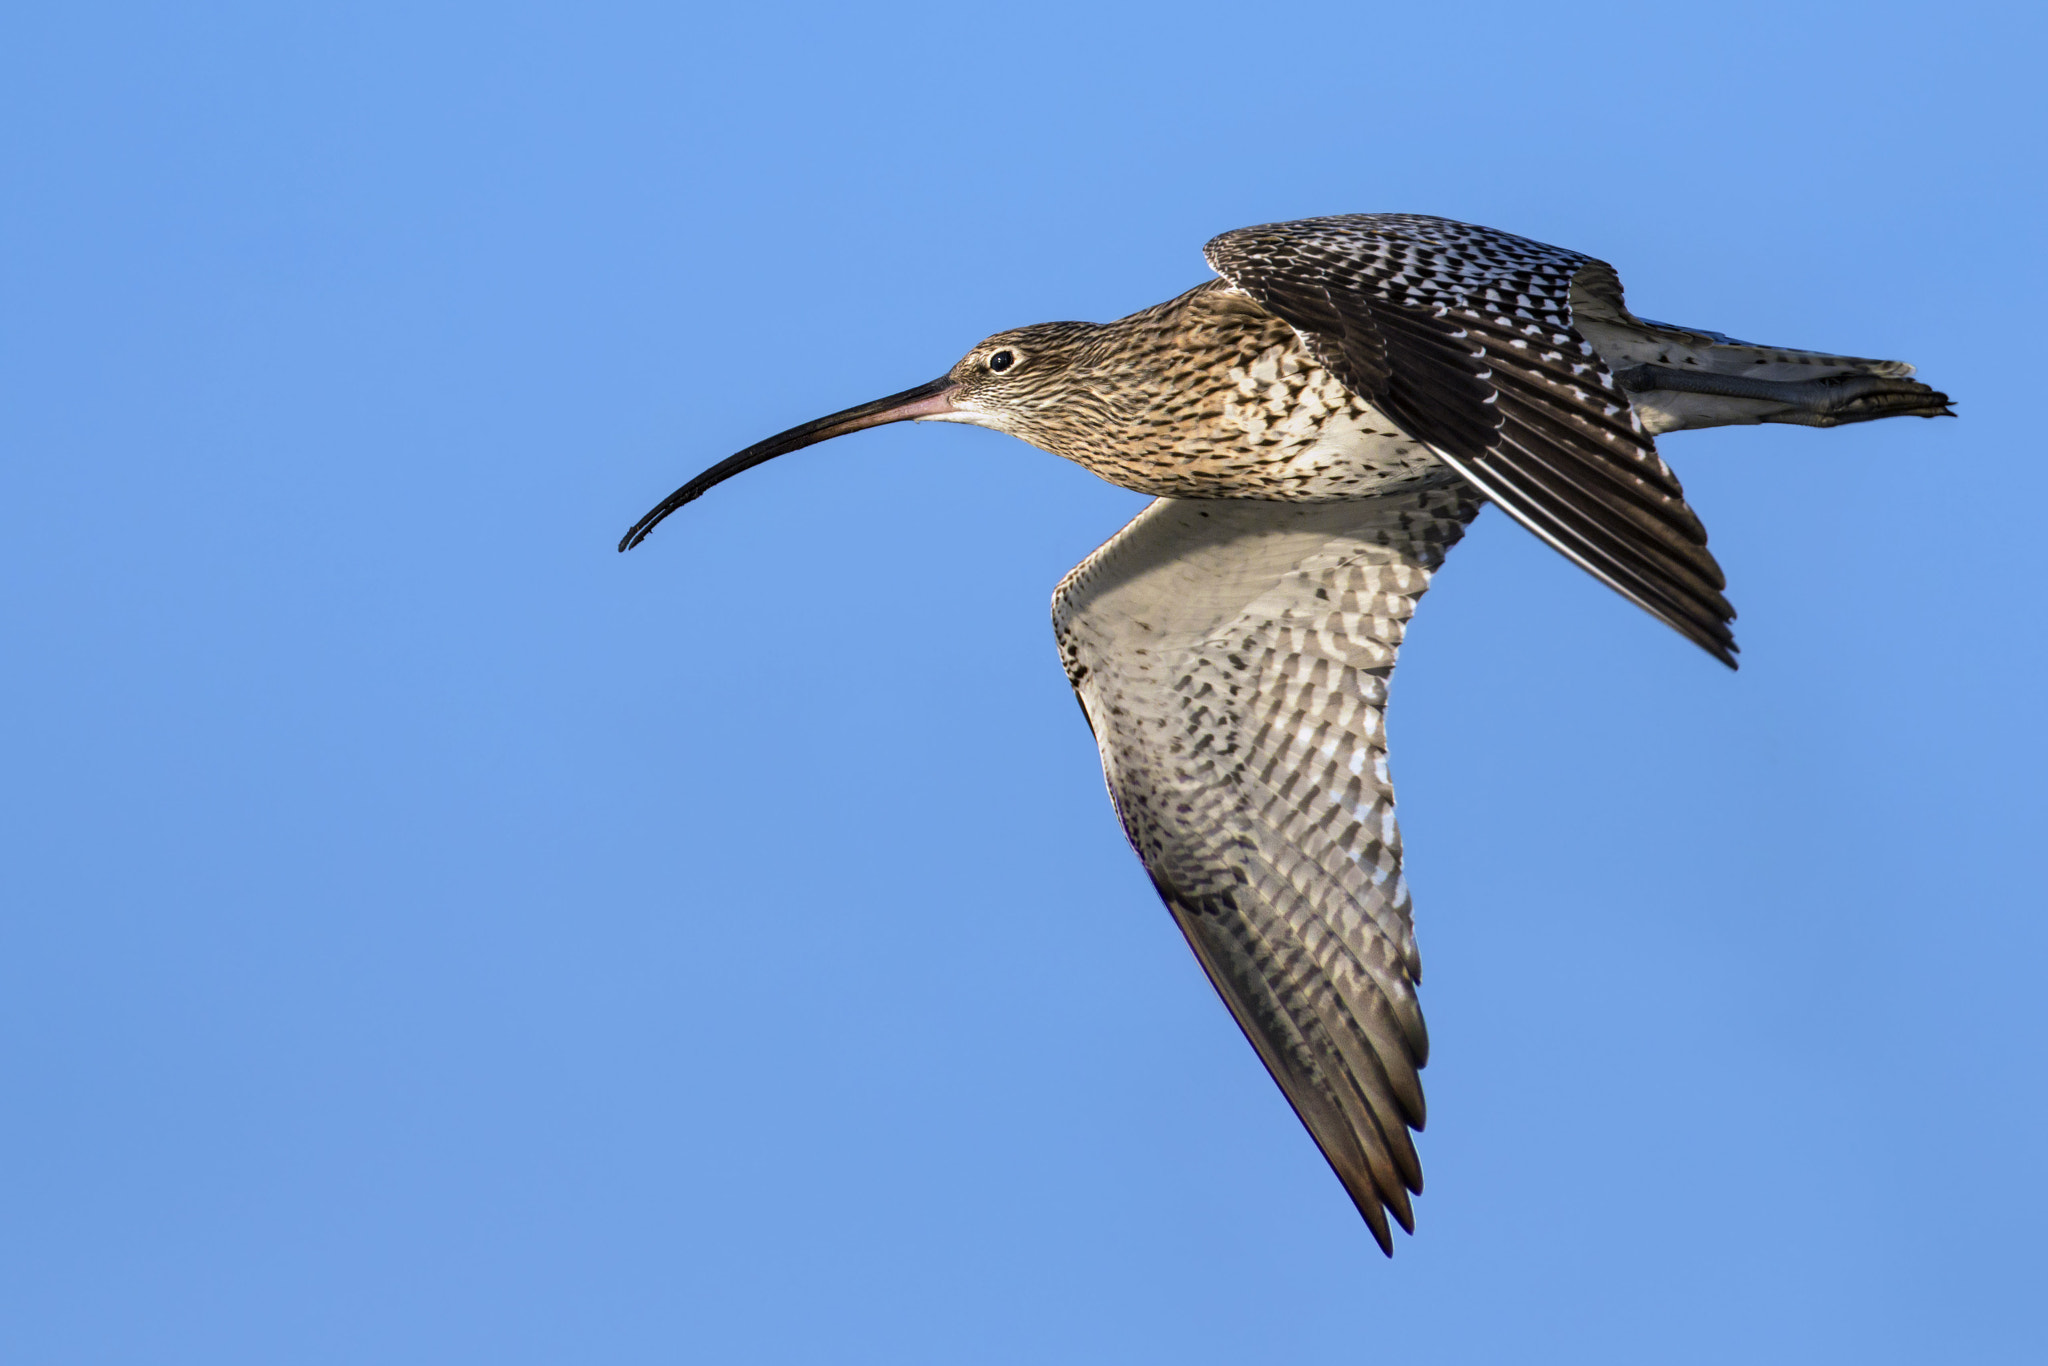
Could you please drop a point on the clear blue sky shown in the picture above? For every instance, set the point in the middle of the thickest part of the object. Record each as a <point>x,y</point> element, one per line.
<point>432,937</point>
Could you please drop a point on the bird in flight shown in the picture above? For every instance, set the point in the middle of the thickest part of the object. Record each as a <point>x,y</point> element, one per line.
<point>1318,425</point>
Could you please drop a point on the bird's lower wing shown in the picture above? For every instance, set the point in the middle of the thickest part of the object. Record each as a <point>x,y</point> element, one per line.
<point>1463,336</point>
<point>1233,661</point>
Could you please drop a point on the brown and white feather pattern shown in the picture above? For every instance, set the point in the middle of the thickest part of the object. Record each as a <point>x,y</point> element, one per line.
<point>1464,337</point>
<point>1233,659</point>
<point>1208,395</point>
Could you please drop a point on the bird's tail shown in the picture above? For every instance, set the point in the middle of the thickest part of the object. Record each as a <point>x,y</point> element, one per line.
<point>1708,379</point>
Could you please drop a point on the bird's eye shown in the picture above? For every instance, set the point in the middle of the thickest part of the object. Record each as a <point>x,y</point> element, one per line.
<point>1001,361</point>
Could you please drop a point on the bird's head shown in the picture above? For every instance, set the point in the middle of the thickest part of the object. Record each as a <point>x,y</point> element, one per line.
<point>1027,382</point>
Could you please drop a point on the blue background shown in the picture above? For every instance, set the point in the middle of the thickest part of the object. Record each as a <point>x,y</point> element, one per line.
<point>432,937</point>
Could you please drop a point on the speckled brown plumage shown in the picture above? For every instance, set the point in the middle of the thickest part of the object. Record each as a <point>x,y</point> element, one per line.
<point>1319,425</point>
<point>1207,395</point>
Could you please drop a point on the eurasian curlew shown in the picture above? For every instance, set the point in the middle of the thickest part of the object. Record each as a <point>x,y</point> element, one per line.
<point>1318,426</point>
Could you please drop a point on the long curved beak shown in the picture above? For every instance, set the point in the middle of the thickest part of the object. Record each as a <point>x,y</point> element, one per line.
<point>926,400</point>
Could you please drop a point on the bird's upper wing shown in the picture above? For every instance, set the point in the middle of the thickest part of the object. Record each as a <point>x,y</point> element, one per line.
<point>1463,337</point>
<point>1233,659</point>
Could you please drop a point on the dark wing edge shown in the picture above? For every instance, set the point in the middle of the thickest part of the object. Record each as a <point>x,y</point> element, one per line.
<point>1233,661</point>
<point>1463,337</point>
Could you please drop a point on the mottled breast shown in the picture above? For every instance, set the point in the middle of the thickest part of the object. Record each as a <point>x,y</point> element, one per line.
<point>1210,396</point>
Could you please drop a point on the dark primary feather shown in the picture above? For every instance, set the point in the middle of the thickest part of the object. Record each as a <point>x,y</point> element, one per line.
<point>1463,336</point>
